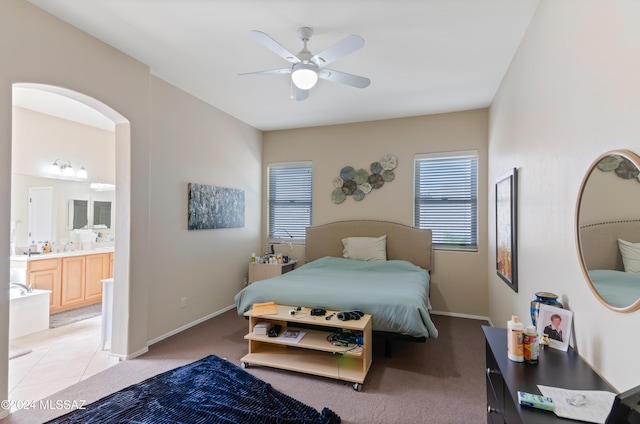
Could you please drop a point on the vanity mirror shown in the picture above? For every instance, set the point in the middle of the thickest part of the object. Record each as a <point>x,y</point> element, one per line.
<point>101,214</point>
<point>77,214</point>
<point>608,210</point>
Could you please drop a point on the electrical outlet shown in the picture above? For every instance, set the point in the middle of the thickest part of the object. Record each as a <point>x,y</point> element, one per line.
<point>183,302</point>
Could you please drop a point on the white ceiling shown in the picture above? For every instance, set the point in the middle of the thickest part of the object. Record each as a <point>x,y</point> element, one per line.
<point>422,56</point>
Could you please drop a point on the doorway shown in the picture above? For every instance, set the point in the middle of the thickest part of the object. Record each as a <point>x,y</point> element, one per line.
<point>74,373</point>
<point>40,214</point>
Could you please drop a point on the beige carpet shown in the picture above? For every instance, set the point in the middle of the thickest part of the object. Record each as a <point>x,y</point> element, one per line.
<point>440,381</point>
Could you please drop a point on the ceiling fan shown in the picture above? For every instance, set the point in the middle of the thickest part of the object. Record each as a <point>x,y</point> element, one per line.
<point>307,68</point>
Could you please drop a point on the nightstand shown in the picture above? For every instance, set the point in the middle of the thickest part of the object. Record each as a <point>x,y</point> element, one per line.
<point>259,272</point>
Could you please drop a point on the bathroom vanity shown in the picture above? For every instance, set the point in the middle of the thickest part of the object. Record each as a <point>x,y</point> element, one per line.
<point>74,278</point>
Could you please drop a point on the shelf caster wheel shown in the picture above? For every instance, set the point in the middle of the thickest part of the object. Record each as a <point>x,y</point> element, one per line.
<point>244,365</point>
<point>357,387</point>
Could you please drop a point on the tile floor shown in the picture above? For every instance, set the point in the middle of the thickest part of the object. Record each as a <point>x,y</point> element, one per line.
<point>60,357</point>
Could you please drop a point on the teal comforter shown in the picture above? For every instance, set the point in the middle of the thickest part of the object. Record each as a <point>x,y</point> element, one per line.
<point>395,293</point>
<point>620,289</point>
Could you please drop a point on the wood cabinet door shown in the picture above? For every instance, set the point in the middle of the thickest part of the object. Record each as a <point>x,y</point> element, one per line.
<point>45,275</point>
<point>48,279</point>
<point>73,278</point>
<point>97,269</point>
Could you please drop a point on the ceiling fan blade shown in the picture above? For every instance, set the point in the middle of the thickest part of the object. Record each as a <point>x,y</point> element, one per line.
<point>274,46</point>
<point>301,94</point>
<point>342,48</point>
<point>344,78</point>
<point>269,72</point>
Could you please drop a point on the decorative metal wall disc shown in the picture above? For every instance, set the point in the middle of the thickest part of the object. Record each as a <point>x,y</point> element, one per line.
<point>349,187</point>
<point>347,173</point>
<point>388,176</point>
<point>358,195</point>
<point>360,183</point>
<point>376,181</point>
<point>361,176</point>
<point>375,168</point>
<point>338,196</point>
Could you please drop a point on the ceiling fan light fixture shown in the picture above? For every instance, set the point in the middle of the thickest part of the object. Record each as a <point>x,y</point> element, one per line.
<point>304,76</point>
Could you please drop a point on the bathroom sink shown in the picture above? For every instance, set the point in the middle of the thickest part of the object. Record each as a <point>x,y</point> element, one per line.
<point>104,249</point>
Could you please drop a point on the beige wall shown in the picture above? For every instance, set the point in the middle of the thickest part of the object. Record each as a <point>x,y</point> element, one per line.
<point>459,278</point>
<point>192,142</point>
<point>572,93</point>
<point>37,48</point>
<point>37,140</point>
<point>607,197</point>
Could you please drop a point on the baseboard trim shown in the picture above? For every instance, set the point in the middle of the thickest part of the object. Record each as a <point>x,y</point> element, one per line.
<point>191,324</point>
<point>228,308</point>
<point>132,355</point>
<point>457,315</point>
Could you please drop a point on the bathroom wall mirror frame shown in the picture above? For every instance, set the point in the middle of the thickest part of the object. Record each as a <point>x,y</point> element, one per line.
<point>608,210</point>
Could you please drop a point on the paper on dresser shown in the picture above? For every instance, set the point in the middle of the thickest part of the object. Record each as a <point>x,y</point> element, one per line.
<point>592,406</point>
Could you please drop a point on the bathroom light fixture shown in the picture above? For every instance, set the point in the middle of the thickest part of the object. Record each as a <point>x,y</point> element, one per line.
<point>55,168</point>
<point>304,75</point>
<point>82,173</point>
<point>64,167</point>
<point>67,170</point>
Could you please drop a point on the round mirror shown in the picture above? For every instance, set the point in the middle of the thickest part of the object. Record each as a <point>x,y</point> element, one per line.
<point>608,229</point>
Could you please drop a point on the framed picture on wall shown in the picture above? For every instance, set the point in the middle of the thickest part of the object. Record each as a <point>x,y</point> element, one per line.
<point>214,207</point>
<point>506,228</point>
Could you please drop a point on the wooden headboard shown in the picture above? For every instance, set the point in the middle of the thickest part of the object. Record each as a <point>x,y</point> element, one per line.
<point>403,242</point>
<point>599,242</point>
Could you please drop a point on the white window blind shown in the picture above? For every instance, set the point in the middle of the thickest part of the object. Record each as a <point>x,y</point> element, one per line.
<point>289,201</point>
<point>446,198</point>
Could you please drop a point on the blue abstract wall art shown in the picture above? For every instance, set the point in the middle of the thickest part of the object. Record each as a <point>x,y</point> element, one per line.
<point>215,207</point>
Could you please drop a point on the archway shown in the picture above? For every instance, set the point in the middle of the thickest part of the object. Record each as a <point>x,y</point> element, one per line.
<point>122,196</point>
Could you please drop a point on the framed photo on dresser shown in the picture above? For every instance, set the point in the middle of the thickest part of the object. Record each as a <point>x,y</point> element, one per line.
<point>555,323</point>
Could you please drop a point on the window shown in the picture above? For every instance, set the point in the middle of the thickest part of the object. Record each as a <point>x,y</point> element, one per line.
<point>289,201</point>
<point>446,198</point>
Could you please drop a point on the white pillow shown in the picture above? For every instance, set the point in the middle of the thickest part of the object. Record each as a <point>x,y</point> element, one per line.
<point>365,248</point>
<point>630,255</point>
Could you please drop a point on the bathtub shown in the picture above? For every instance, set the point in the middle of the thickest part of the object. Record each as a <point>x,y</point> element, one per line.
<point>28,313</point>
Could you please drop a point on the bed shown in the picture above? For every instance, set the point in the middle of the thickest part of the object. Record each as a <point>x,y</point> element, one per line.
<point>604,264</point>
<point>394,291</point>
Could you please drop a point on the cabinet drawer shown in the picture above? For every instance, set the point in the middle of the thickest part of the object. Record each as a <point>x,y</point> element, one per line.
<point>495,391</point>
<point>43,264</point>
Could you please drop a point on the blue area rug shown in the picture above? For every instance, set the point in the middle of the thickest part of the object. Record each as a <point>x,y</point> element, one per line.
<point>211,390</point>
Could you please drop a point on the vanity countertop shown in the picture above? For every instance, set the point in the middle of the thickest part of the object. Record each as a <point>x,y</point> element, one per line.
<point>26,258</point>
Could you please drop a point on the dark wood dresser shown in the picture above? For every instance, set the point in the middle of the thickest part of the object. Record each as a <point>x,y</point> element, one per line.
<point>505,378</point>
